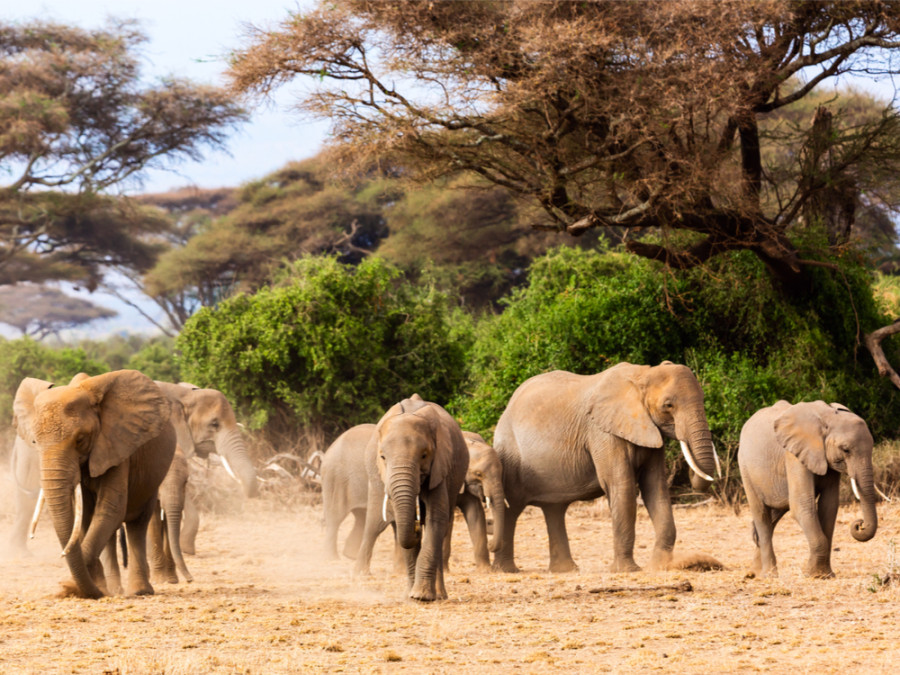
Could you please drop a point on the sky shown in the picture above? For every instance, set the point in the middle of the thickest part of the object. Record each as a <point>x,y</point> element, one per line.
<point>190,38</point>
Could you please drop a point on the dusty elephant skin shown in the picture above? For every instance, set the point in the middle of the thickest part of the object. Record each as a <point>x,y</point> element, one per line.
<point>205,422</point>
<point>110,436</point>
<point>417,456</point>
<point>791,458</point>
<point>166,557</point>
<point>565,437</point>
<point>25,468</point>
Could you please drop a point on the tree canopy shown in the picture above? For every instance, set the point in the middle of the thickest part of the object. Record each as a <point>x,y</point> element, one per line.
<point>39,311</point>
<point>637,115</point>
<point>77,120</point>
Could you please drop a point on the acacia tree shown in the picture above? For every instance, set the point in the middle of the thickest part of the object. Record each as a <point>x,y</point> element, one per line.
<point>76,120</point>
<point>609,114</point>
<point>39,311</point>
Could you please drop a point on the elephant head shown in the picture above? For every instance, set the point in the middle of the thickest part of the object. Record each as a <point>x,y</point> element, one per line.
<point>413,454</point>
<point>484,479</point>
<point>642,404</point>
<point>823,437</point>
<point>205,422</point>
<point>90,426</point>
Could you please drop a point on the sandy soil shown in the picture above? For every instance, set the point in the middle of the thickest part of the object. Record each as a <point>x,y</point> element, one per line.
<point>264,601</point>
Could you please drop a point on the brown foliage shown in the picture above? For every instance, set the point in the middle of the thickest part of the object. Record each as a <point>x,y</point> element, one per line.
<point>641,115</point>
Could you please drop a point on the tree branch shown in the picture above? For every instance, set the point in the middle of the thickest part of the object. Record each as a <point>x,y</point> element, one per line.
<point>873,344</point>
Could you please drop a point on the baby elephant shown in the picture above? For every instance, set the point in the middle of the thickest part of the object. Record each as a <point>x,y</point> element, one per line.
<point>789,456</point>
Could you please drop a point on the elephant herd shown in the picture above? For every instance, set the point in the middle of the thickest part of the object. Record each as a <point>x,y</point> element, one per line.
<point>113,449</point>
<point>565,437</point>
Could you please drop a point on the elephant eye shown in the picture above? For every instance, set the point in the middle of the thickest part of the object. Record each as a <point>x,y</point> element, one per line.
<point>845,449</point>
<point>668,405</point>
<point>214,424</point>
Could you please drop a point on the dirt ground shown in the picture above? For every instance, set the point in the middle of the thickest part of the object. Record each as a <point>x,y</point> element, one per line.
<point>265,601</point>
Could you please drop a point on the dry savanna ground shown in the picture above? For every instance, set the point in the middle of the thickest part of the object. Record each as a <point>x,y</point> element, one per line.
<point>265,601</point>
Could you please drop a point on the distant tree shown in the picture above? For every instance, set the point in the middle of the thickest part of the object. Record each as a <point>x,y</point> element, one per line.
<point>76,121</point>
<point>610,114</point>
<point>39,311</point>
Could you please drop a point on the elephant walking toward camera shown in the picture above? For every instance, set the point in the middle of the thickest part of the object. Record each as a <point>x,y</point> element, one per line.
<point>416,459</point>
<point>791,459</point>
<point>25,468</point>
<point>565,437</point>
<point>109,440</point>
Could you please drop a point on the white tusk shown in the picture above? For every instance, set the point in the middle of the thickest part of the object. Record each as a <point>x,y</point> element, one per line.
<point>855,489</point>
<point>228,468</point>
<point>506,502</point>
<point>418,512</point>
<point>76,527</point>
<point>883,496</point>
<point>718,463</point>
<point>37,514</point>
<point>487,502</point>
<point>162,514</point>
<point>462,488</point>
<point>692,463</point>
<point>384,508</point>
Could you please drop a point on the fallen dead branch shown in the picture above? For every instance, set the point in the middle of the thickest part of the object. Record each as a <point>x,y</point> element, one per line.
<point>682,587</point>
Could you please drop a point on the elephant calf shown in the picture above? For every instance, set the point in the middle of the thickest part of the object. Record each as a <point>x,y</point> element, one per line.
<point>791,458</point>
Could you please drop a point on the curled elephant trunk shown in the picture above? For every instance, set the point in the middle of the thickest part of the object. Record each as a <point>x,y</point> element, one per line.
<point>403,482</point>
<point>57,479</point>
<point>230,445</point>
<point>700,455</point>
<point>864,529</point>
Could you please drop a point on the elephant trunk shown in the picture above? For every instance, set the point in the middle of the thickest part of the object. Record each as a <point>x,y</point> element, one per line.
<point>700,446</point>
<point>403,488</point>
<point>497,500</point>
<point>58,478</point>
<point>863,530</point>
<point>230,445</point>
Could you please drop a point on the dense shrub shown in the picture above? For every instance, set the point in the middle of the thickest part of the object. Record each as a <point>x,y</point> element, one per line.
<point>327,346</point>
<point>156,359</point>
<point>748,344</point>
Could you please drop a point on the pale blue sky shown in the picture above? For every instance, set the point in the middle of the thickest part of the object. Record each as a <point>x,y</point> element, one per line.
<point>190,38</point>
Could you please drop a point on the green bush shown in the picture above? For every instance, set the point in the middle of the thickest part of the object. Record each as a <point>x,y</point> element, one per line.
<point>157,360</point>
<point>328,346</point>
<point>748,344</point>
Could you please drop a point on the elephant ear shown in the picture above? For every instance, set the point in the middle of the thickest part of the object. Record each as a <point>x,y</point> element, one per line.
<point>132,411</point>
<point>445,442</point>
<point>799,429</point>
<point>175,393</point>
<point>617,407</point>
<point>23,406</point>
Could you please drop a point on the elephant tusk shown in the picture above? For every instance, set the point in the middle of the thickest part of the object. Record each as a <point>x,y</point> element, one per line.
<point>76,526</point>
<point>506,502</point>
<point>855,489</point>
<point>418,511</point>
<point>228,468</point>
<point>691,463</point>
<point>882,495</point>
<point>718,463</point>
<point>37,514</point>
<point>462,488</point>
<point>384,508</point>
<point>487,502</point>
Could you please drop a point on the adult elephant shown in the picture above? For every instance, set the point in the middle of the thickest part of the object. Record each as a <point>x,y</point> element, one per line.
<point>25,469</point>
<point>206,423</point>
<point>166,557</point>
<point>791,458</point>
<point>484,484</point>
<point>416,457</point>
<point>109,439</point>
<point>565,437</point>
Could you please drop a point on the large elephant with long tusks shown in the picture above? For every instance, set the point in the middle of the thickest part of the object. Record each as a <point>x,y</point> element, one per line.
<point>565,437</point>
<point>791,458</point>
<point>107,441</point>
<point>416,462</point>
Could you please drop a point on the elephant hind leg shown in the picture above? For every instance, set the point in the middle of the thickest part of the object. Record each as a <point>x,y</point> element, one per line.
<point>138,581</point>
<point>505,558</point>
<point>560,554</point>
<point>351,545</point>
<point>765,519</point>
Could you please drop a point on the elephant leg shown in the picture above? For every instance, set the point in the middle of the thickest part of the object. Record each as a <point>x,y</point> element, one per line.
<point>446,546</point>
<point>802,500</point>
<point>477,524</point>
<point>560,555</point>
<point>505,558</point>
<point>827,508</point>
<point>622,497</point>
<point>374,527</point>
<point>190,524</point>
<point>139,571</point>
<point>429,576</point>
<point>110,561</point>
<point>334,516</point>
<point>655,491</point>
<point>173,544</point>
<point>161,564</point>
<point>764,520</point>
<point>26,500</point>
<point>351,545</point>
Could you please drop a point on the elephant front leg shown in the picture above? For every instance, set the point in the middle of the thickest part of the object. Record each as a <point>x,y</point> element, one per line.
<point>655,491</point>
<point>428,584</point>
<point>162,565</point>
<point>477,525</point>
<point>138,582</point>
<point>560,554</point>
<point>110,561</point>
<point>504,559</point>
<point>623,511</point>
<point>802,498</point>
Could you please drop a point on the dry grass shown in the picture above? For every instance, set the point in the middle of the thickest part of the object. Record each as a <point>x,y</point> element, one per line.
<point>265,602</point>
